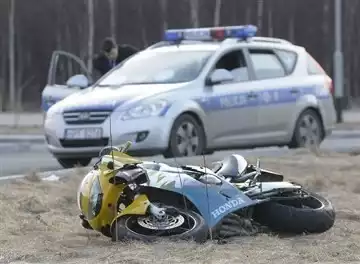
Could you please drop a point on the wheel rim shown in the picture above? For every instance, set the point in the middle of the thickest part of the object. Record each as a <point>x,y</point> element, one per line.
<point>187,139</point>
<point>170,226</point>
<point>170,222</point>
<point>313,203</point>
<point>309,131</point>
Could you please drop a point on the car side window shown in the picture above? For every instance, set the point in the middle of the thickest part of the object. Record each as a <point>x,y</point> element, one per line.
<point>235,63</point>
<point>67,67</point>
<point>266,64</point>
<point>288,58</point>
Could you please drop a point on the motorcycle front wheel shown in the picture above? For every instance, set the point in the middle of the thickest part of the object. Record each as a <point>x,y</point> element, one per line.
<point>184,225</point>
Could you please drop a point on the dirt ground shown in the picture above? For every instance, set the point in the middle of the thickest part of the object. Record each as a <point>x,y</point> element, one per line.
<point>39,223</point>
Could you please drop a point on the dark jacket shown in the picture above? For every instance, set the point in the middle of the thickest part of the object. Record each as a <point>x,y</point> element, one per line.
<point>102,64</point>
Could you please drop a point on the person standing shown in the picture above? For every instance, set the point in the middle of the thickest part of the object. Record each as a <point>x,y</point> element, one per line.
<point>111,55</point>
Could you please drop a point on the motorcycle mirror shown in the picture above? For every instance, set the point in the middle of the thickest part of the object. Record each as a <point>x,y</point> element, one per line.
<point>107,150</point>
<point>126,147</point>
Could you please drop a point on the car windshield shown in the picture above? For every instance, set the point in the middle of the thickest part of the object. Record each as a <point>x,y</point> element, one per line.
<point>158,67</point>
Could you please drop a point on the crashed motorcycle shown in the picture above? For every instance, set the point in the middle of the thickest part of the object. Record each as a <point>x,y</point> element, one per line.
<point>126,198</point>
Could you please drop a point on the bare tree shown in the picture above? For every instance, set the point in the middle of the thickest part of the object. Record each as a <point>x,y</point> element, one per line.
<point>69,25</point>
<point>163,6</point>
<point>3,66</point>
<point>260,14</point>
<point>270,22</point>
<point>12,96</point>
<point>112,8</point>
<point>143,28</point>
<point>194,13</point>
<point>248,15</point>
<point>217,13</point>
<point>91,28</point>
<point>291,29</point>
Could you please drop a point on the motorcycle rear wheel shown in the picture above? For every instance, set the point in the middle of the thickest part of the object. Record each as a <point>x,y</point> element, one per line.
<point>187,225</point>
<point>312,215</point>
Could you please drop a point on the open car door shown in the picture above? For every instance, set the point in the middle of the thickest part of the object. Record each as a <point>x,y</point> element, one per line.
<point>67,74</point>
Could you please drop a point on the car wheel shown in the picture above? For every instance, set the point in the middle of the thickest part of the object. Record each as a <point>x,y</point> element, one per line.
<point>308,130</point>
<point>72,162</point>
<point>187,138</point>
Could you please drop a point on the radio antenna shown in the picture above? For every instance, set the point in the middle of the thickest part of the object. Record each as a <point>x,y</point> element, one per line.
<point>113,160</point>
<point>110,138</point>
<point>182,187</point>
<point>207,193</point>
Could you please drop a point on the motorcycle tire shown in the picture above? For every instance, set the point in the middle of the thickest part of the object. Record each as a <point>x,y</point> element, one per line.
<point>128,228</point>
<point>312,215</point>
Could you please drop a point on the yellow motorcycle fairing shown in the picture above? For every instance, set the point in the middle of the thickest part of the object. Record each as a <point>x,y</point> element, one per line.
<point>138,207</point>
<point>119,159</point>
<point>107,208</point>
<point>96,187</point>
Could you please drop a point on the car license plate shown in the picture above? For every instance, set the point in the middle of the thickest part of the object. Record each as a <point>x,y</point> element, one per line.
<point>83,133</point>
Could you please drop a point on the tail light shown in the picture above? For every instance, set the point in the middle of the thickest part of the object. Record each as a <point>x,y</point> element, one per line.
<point>329,84</point>
<point>331,87</point>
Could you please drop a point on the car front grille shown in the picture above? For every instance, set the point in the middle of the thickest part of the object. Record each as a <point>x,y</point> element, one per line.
<point>81,143</point>
<point>85,117</point>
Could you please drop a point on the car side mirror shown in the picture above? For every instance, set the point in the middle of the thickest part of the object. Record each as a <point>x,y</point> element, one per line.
<point>78,80</point>
<point>219,76</point>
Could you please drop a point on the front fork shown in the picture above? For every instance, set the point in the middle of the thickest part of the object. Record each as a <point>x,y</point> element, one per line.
<point>131,202</point>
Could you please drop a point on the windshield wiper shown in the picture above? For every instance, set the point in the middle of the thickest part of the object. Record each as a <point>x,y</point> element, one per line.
<point>108,85</point>
<point>129,83</point>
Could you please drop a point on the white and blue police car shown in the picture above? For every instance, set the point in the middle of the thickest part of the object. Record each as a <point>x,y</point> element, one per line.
<point>197,91</point>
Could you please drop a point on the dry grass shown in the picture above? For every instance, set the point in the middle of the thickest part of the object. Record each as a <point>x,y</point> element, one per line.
<point>39,224</point>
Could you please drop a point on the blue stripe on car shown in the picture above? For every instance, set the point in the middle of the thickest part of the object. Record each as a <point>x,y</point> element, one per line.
<point>220,102</point>
<point>264,97</point>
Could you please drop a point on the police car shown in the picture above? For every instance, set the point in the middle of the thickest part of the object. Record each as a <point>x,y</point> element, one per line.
<point>197,91</point>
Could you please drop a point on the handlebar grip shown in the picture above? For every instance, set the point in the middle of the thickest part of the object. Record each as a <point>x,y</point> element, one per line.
<point>247,176</point>
<point>126,146</point>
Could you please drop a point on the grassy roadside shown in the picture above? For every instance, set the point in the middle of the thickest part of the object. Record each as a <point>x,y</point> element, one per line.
<point>44,214</point>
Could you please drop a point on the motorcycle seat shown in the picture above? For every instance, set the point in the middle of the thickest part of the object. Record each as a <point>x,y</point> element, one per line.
<point>232,166</point>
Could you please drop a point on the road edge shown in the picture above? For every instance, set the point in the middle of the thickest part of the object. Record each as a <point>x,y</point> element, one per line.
<point>59,173</point>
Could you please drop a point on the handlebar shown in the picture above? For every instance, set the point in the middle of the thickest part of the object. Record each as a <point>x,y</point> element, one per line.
<point>254,174</point>
<point>123,148</point>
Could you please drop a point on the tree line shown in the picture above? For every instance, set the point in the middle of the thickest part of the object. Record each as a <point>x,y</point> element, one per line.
<point>30,30</point>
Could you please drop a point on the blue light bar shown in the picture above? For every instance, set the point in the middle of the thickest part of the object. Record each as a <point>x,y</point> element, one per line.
<point>208,34</point>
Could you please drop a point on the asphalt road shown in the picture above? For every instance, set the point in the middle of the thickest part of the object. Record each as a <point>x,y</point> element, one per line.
<point>24,158</point>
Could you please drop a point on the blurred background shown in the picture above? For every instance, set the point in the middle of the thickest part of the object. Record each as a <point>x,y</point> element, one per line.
<point>30,30</point>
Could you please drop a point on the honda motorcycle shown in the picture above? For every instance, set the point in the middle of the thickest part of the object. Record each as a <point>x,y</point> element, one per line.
<point>126,198</point>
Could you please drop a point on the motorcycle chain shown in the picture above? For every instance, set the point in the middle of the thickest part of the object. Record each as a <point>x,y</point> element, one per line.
<point>235,225</point>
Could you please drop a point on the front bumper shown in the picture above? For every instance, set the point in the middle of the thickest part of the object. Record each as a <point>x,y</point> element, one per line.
<point>149,136</point>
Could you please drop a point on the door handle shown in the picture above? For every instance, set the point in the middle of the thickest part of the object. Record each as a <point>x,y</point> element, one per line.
<point>252,95</point>
<point>294,91</point>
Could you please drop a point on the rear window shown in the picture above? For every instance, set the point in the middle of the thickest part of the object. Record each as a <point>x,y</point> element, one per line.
<point>313,67</point>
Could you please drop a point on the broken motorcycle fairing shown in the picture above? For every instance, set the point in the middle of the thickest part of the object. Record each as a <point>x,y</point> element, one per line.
<point>212,196</point>
<point>123,197</point>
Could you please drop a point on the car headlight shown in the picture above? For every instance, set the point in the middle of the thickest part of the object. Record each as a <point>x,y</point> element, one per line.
<point>146,110</point>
